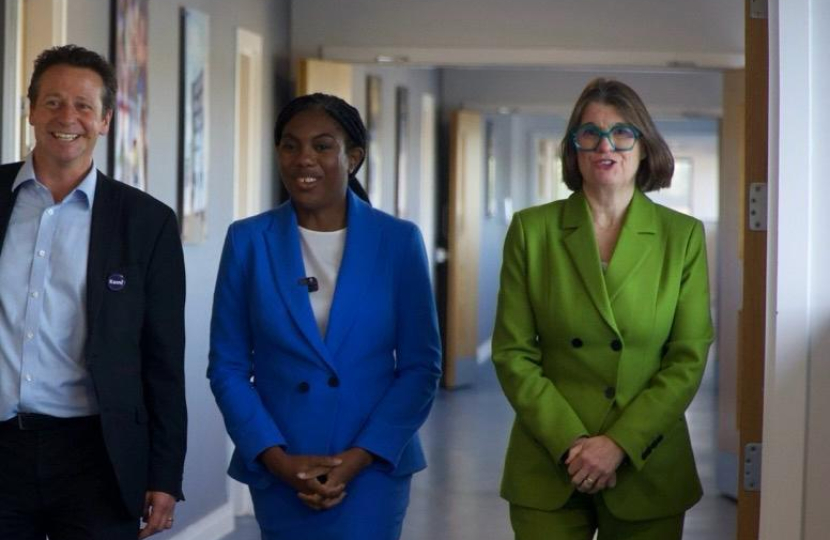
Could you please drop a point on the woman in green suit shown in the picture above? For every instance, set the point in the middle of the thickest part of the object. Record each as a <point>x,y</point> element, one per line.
<point>601,337</point>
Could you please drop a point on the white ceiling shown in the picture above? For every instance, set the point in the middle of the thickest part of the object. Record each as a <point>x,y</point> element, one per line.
<point>636,33</point>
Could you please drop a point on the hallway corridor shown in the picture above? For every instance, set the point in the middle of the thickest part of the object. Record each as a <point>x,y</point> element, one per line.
<point>456,497</point>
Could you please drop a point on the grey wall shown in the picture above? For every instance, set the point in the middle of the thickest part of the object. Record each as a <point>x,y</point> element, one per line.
<point>418,82</point>
<point>668,93</point>
<point>89,25</point>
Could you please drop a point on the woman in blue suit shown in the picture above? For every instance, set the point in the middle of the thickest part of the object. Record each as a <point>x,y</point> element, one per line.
<point>325,352</point>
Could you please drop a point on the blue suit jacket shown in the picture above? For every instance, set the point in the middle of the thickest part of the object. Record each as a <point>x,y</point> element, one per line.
<point>369,383</point>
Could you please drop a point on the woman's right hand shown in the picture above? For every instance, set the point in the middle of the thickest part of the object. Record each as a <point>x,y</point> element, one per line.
<point>592,463</point>
<point>307,475</point>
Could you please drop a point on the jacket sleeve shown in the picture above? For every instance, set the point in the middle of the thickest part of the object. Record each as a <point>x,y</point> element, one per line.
<point>230,365</point>
<point>162,360</point>
<point>540,407</point>
<point>639,428</point>
<point>406,404</point>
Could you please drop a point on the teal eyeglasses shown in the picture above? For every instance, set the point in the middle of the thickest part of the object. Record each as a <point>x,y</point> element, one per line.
<point>622,137</point>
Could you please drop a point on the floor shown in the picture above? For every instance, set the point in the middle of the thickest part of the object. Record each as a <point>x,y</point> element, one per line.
<point>456,498</point>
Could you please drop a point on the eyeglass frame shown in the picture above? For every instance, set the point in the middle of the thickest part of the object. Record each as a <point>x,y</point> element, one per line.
<point>606,134</point>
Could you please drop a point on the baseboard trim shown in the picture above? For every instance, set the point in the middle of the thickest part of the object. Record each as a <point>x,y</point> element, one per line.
<point>213,526</point>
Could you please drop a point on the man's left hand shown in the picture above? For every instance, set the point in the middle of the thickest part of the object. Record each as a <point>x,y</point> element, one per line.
<point>158,513</point>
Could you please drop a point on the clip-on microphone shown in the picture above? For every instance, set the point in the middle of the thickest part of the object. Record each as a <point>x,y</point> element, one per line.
<point>310,282</point>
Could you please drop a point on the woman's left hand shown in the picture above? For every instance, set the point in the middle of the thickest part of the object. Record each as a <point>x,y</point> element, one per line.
<point>592,463</point>
<point>353,461</point>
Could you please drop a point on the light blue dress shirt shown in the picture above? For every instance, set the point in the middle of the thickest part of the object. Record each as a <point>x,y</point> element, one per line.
<point>43,322</point>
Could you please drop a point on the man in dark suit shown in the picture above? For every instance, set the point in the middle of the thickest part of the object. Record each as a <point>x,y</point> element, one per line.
<point>92,287</point>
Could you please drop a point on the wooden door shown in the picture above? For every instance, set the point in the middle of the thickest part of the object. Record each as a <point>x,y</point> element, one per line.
<point>464,220</point>
<point>752,317</point>
<point>323,76</point>
<point>730,276</point>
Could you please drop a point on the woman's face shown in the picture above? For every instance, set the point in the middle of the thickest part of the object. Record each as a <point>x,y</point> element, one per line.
<point>604,167</point>
<point>315,162</point>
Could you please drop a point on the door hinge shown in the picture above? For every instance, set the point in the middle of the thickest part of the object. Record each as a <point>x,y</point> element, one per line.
<point>757,206</point>
<point>752,467</point>
<point>758,9</point>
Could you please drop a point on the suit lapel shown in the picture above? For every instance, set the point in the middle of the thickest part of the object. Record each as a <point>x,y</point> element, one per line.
<point>286,258</point>
<point>355,275</point>
<point>581,245</point>
<point>637,239</point>
<point>104,235</point>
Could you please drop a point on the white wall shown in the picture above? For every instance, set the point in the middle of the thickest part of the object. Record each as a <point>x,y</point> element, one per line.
<point>817,518</point>
<point>796,471</point>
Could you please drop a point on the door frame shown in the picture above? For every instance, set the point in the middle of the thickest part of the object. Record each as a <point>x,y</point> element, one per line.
<point>247,181</point>
<point>12,98</point>
<point>795,406</point>
<point>247,177</point>
<point>752,317</point>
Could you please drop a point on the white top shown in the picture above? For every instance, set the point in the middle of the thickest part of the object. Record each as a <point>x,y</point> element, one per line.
<point>322,253</point>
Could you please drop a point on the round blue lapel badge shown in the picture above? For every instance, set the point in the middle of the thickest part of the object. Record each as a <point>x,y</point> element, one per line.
<point>116,282</point>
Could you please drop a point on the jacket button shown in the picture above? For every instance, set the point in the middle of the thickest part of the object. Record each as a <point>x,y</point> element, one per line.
<point>616,345</point>
<point>303,387</point>
<point>334,382</point>
<point>576,342</point>
<point>610,392</point>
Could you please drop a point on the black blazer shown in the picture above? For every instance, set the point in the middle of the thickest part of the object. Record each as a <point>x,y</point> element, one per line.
<point>135,341</point>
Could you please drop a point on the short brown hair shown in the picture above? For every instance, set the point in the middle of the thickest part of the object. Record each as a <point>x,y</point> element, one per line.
<point>656,168</point>
<point>75,56</point>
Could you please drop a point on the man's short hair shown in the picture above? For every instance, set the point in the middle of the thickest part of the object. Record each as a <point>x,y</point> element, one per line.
<point>75,56</point>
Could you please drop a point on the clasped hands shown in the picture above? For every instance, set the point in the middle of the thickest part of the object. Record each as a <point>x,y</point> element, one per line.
<point>320,481</point>
<point>592,463</point>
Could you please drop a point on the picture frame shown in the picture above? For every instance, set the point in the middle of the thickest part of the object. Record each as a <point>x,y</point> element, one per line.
<point>193,125</point>
<point>401,150</point>
<point>128,132</point>
<point>490,172</point>
<point>374,117</point>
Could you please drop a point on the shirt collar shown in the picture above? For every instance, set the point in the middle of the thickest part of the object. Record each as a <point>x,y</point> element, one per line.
<point>86,188</point>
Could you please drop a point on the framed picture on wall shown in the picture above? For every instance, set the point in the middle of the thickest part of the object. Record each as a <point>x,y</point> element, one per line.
<point>374,109</point>
<point>401,149</point>
<point>128,134</point>
<point>490,180</point>
<point>193,126</point>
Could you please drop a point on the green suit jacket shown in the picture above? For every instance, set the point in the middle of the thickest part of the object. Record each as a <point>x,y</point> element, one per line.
<point>579,352</point>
